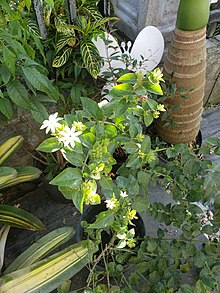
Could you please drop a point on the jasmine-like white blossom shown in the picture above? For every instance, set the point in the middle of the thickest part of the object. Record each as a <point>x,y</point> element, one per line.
<point>52,123</point>
<point>69,136</point>
<point>123,193</point>
<point>112,203</point>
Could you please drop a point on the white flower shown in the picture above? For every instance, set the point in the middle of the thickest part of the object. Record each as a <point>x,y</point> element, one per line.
<point>52,123</point>
<point>112,203</point>
<point>123,194</point>
<point>69,136</point>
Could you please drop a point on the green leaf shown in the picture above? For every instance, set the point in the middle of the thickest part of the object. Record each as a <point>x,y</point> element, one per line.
<point>88,139</point>
<point>92,108</point>
<point>41,248</point>
<point>24,174</point>
<point>6,108</point>
<point>46,275</point>
<point>9,59</point>
<point>75,158</point>
<point>40,113</point>
<point>104,220</point>
<point>19,218</point>
<point>49,145</point>
<point>38,80</point>
<point>18,94</point>
<point>130,147</point>
<point>144,177</point>
<point>146,145</point>
<point>5,73</point>
<point>185,288</point>
<point>75,94</point>
<point>62,57</point>
<point>90,57</point>
<point>50,2</point>
<point>122,89</point>
<point>3,237</point>
<point>215,141</point>
<point>148,119</point>
<point>140,91</point>
<point>140,204</point>
<point>201,288</point>
<point>7,173</point>
<point>133,161</point>
<point>128,78</point>
<point>74,194</point>
<point>70,177</point>
<point>153,88</point>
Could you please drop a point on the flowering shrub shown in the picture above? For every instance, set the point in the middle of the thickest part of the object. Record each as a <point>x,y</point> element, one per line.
<point>88,140</point>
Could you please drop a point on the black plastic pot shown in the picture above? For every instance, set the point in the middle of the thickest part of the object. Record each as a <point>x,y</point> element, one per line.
<point>89,215</point>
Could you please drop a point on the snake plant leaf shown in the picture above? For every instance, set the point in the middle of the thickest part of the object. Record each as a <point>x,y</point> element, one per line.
<point>41,248</point>
<point>46,275</point>
<point>7,173</point>
<point>3,237</point>
<point>24,174</point>
<point>19,218</point>
<point>9,146</point>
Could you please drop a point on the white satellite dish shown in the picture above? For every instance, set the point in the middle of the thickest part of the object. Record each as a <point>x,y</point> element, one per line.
<point>149,44</point>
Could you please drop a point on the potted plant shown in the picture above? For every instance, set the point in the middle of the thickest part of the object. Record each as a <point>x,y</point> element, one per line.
<point>90,138</point>
<point>185,64</point>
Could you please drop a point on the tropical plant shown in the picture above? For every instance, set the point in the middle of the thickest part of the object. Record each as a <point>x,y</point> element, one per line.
<point>23,78</point>
<point>28,273</point>
<point>9,215</point>
<point>186,63</point>
<point>74,41</point>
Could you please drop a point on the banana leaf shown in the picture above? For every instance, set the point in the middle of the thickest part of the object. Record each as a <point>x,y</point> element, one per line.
<point>40,248</point>
<point>46,275</point>
<point>19,218</point>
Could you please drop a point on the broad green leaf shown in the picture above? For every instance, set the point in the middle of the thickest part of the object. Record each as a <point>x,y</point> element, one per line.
<point>153,88</point>
<point>92,108</point>
<point>111,130</point>
<point>75,158</point>
<point>128,78</point>
<point>215,141</point>
<point>18,94</point>
<point>144,177</point>
<point>141,204</point>
<point>38,80</point>
<point>6,108</point>
<point>141,91</point>
<point>24,174</point>
<point>9,146</point>
<point>75,194</point>
<point>70,177</point>
<point>6,173</point>
<point>75,94</point>
<point>146,145</point>
<point>130,147</point>
<point>122,89</point>
<point>5,73</point>
<point>40,113</point>
<point>103,220</point>
<point>9,59</point>
<point>133,161</point>
<point>148,119</point>
<point>88,139</point>
<point>62,57</point>
<point>19,218</point>
<point>41,248</point>
<point>46,275</point>
<point>49,145</point>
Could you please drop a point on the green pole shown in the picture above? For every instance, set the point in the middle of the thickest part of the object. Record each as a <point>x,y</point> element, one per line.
<point>192,14</point>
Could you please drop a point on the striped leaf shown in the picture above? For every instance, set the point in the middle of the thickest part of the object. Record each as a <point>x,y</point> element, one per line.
<point>9,146</point>
<point>62,58</point>
<point>19,218</point>
<point>63,41</point>
<point>24,174</point>
<point>41,248</point>
<point>91,58</point>
<point>3,237</point>
<point>7,173</point>
<point>48,274</point>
